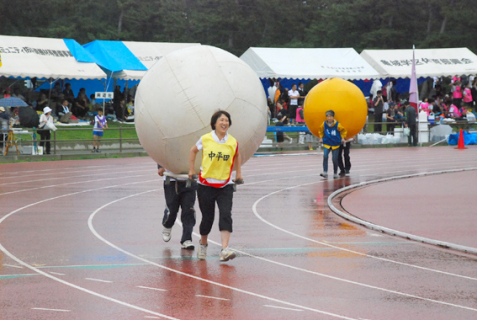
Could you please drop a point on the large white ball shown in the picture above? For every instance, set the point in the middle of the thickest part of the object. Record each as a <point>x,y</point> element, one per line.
<point>178,95</point>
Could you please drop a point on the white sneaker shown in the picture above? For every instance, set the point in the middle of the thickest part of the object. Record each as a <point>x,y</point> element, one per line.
<point>188,245</point>
<point>227,254</point>
<point>324,175</point>
<point>336,176</point>
<point>166,234</point>
<point>202,252</point>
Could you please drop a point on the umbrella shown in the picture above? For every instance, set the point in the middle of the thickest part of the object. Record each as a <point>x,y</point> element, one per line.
<point>12,102</point>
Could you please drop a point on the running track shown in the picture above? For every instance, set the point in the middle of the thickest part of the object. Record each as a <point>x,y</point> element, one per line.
<point>82,240</point>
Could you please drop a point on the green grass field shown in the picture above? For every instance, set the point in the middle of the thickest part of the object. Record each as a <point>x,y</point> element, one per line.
<point>86,132</point>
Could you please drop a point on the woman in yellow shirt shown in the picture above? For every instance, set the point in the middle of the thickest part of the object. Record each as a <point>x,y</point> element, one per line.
<point>219,155</point>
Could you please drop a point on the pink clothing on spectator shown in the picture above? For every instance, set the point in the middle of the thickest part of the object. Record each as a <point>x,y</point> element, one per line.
<point>298,116</point>
<point>454,79</point>
<point>467,95</point>
<point>455,111</point>
<point>425,107</point>
<point>457,94</point>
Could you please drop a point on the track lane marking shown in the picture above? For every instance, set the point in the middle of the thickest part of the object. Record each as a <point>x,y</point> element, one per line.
<point>46,309</point>
<point>255,211</point>
<point>209,297</point>
<point>93,230</point>
<point>157,289</point>
<point>97,280</point>
<point>277,307</point>
<point>37,270</point>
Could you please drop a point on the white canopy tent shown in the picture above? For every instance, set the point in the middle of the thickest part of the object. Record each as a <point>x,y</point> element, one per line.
<point>305,63</point>
<point>148,53</point>
<point>429,62</point>
<point>43,58</point>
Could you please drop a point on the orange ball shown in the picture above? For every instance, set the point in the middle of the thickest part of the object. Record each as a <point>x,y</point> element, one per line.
<point>341,96</point>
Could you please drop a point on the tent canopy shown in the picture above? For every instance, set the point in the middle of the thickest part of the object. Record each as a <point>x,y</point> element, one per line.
<point>304,63</point>
<point>429,62</point>
<point>44,58</point>
<point>129,60</point>
<point>113,56</point>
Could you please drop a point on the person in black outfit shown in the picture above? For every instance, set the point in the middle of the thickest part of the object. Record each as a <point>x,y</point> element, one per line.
<point>178,195</point>
<point>69,95</point>
<point>303,93</point>
<point>344,153</point>
<point>410,122</point>
<point>378,111</point>
<point>118,97</point>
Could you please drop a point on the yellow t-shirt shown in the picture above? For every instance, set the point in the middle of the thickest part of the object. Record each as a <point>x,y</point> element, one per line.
<point>217,160</point>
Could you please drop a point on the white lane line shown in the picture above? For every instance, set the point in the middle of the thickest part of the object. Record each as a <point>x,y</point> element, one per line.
<point>209,297</point>
<point>46,309</point>
<point>255,211</point>
<point>90,224</point>
<point>268,260</point>
<point>72,176</point>
<point>98,280</point>
<point>277,307</point>
<point>12,266</point>
<point>157,289</point>
<point>74,183</point>
<point>58,274</point>
<point>4,250</point>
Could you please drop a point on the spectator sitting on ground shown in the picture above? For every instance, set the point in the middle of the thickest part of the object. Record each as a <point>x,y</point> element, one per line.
<point>80,107</point>
<point>56,92</point>
<point>42,102</point>
<point>6,93</point>
<point>69,95</point>
<point>92,102</point>
<point>17,94</point>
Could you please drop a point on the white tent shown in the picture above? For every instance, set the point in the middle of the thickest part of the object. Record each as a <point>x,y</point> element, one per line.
<point>149,53</point>
<point>429,62</point>
<point>43,58</point>
<point>304,63</point>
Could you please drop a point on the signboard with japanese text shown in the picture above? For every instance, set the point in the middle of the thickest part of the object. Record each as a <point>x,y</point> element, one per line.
<point>429,62</point>
<point>104,95</point>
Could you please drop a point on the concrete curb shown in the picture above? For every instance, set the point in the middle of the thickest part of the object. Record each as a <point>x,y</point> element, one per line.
<point>396,232</point>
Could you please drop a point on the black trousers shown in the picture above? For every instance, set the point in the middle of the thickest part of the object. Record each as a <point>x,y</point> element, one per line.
<point>45,137</point>
<point>378,117</point>
<point>391,124</point>
<point>177,195</point>
<point>208,197</point>
<point>344,152</point>
<point>412,135</point>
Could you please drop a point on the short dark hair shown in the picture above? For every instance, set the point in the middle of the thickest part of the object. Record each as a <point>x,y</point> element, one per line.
<point>379,92</point>
<point>330,113</point>
<point>217,115</point>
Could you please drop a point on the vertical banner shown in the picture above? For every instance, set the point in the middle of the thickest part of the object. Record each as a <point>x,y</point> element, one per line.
<point>413,90</point>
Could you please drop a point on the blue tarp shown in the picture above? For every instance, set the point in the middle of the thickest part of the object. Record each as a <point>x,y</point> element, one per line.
<point>78,51</point>
<point>288,129</point>
<point>469,138</point>
<point>91,86</point>
<point>113,56</point>
<point>402,85</point>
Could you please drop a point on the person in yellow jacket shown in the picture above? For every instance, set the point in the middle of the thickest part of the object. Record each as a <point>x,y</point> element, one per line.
<point>331,134</point>
<point>220,152</point>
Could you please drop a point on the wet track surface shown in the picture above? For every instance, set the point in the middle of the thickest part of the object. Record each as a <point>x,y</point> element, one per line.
<point>82,240</point>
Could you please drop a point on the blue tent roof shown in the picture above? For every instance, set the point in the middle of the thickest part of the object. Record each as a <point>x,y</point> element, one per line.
<point>78,51</point>
<point>113,56</point>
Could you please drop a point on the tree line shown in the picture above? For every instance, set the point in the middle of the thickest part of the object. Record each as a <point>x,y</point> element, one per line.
<point>236,25</point>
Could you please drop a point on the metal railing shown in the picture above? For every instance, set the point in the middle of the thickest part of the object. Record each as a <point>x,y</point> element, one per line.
<point>121,143</point>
